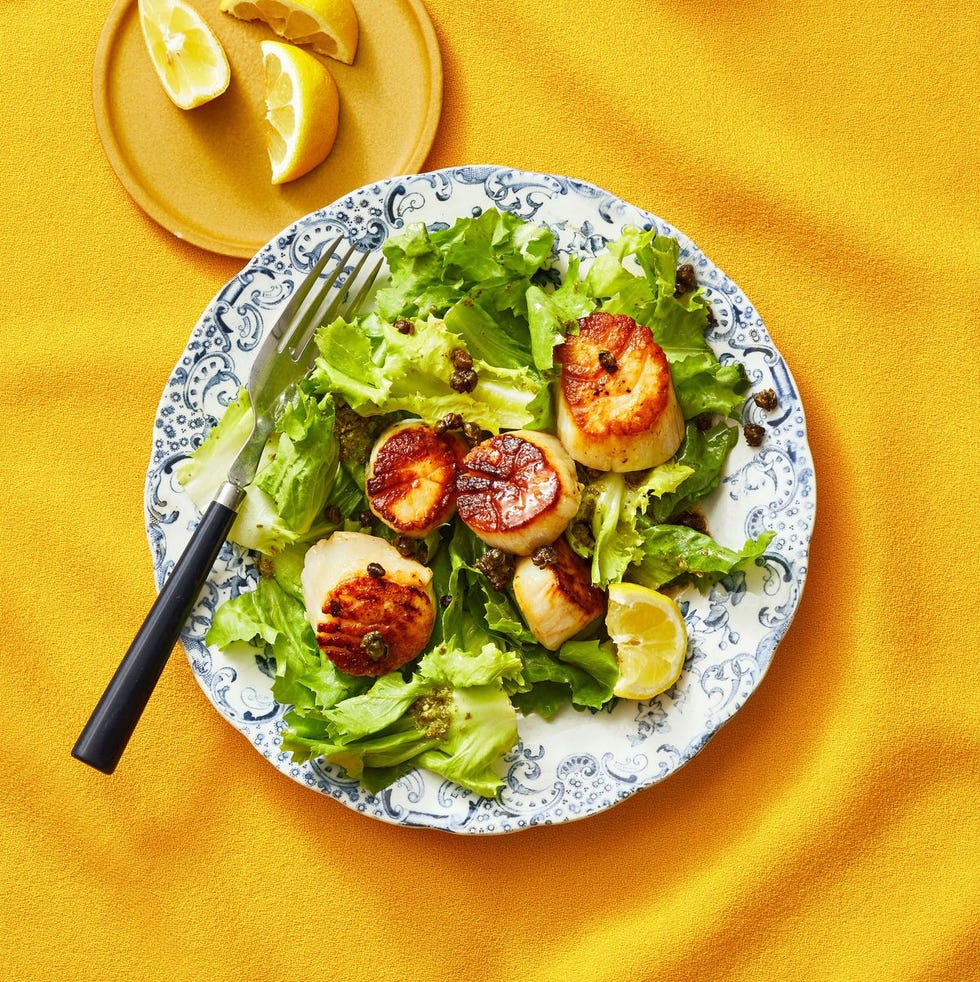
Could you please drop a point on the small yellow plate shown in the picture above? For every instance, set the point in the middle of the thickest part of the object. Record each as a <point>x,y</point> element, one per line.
<point>204,173</point>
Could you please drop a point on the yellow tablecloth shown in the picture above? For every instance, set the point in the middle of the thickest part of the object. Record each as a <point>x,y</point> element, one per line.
<point>826,156</point>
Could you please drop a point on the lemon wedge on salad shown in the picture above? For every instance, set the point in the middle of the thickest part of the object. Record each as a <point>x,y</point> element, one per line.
<point>329,27</point>
<point>302,107</point>
<point>185,52</point>
<point>651,640</point>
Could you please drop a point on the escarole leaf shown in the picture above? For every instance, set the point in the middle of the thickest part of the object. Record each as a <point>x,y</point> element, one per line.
<point>294,476</point>
<point>431,269</point>
<point>298,477</point>
<point>704,385</point>
<point>375,761</point>
<point>611,507</point>
<point>475,717</point>
<point>674,552</point>
<point>472,617</point>
<point>463,669</point>
<point>452,716</point>
<point>372,711</point>
<point>552,315</point>
<point>258,525</point>
<point>260,615</point>
<point>703,453</point>
<point>377,369</point>
<point>477,331</point>
<point>487,262</point>
<point>202,473</point>
<point>583,672</point>
<point>482,729</point>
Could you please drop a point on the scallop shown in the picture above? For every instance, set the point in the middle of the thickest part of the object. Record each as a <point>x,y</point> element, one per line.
<point>558,599</point>
<point>411,477</point>
<point>518,490</point>
<point>371,608</point>
<point>616,406</point>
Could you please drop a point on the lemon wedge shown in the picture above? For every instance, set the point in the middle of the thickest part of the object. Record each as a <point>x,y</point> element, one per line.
<point>329,27</point>
<point>302,108</point>
<point>187,56</point>
<point>651,640</point>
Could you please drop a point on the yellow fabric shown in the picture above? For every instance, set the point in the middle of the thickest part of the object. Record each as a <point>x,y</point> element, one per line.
<point>825,155</point>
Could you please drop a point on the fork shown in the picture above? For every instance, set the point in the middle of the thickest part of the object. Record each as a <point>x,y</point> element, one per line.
<point>283,359</point>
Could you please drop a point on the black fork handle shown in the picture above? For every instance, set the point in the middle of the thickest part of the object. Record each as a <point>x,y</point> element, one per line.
<point>113,720</point>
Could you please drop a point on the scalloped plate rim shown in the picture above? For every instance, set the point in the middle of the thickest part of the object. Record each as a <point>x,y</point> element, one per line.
<point>382,806</point>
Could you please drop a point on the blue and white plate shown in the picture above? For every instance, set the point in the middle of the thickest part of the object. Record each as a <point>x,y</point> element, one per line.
<point>579,763</point>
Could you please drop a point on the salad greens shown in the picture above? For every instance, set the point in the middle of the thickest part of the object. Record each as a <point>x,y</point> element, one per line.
<point>487,284</point>
<point>377,369</point>
<point>295,473</point>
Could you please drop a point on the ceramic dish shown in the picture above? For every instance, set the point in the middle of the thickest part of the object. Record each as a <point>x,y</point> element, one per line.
<point>579,763</point>
<point>204,173</point>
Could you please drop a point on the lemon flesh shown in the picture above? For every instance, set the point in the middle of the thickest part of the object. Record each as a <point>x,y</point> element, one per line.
<point>651,640</point>
<point>302,108</point>
<point>188,58</point>
<point>329,27</point>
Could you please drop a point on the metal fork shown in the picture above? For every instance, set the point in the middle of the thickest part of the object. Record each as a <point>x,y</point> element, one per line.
<point>283,359</point>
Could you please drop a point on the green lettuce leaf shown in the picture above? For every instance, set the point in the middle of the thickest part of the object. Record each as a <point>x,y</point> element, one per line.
<point>452,716</point>
<point>377,369</point>
<point>583,672</point>
<point>479,332</point>
<point>673,553</point>
<point>482,729</point>
<point>374,710</point>
<point>262,614</point>
<point>502,616</point>
<point>375,761</point>
<point>611,527</point>
<point>705,385</point>
<point>294,475</point>
<point>489,258</point>
<point>464,669</point>
<point>298,477</point>
<point>258,525</point>
<point>609,509</point>
<point>637,276</point>
<point>473,617</point>
<point>704,453</point>
<point>609,276</point>
<point>552,315</point>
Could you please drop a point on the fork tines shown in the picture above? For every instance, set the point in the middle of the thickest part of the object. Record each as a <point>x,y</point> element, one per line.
<point>327,302</point>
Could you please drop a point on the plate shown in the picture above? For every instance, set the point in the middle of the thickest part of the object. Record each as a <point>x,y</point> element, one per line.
<point>204,173</point>
<point>577,764</point>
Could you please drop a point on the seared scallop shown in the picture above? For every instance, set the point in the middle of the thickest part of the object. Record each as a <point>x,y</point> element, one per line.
<point>411,477</point>
<point>556,596</point>
<point>518,490</point>
<point>616,407</point>
<point>371,608</point>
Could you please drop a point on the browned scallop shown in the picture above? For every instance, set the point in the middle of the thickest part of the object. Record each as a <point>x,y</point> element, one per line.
<point>371,608</point>
<point>616,407</point>
<point>557,598</point>
<point>411,477</point>
<point>518,490</point>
